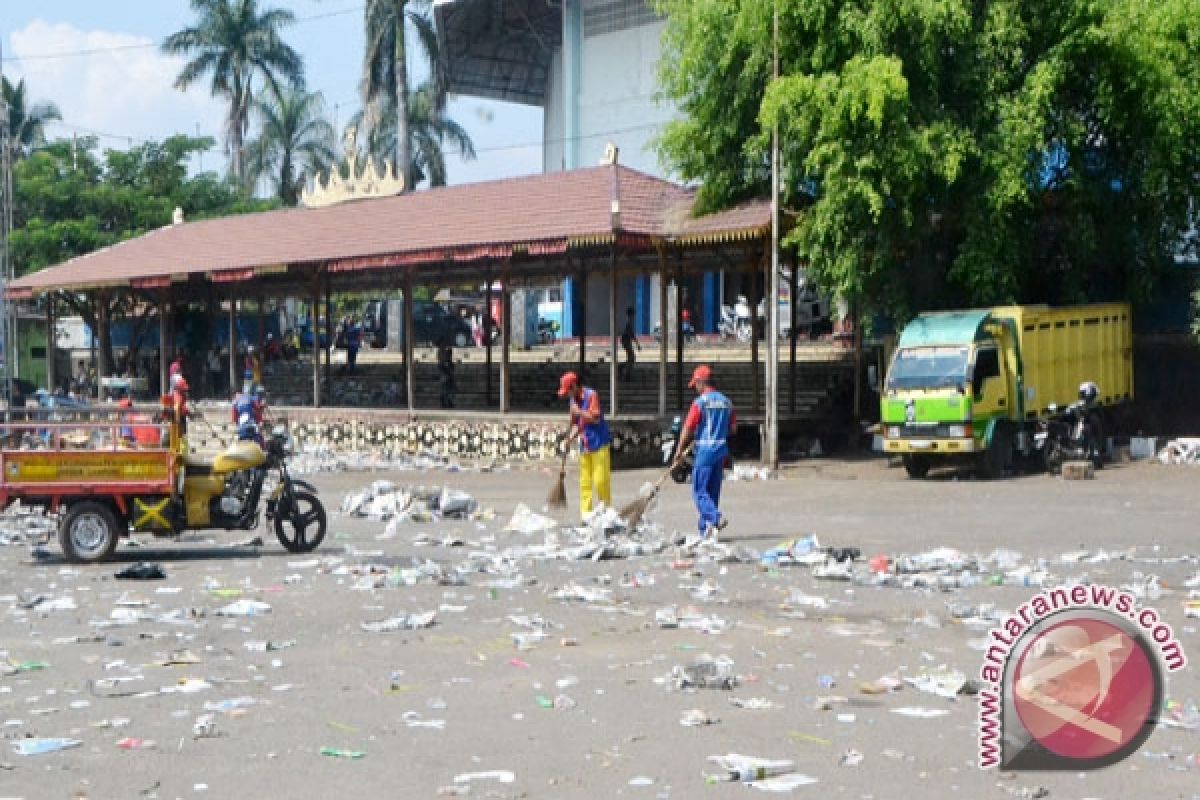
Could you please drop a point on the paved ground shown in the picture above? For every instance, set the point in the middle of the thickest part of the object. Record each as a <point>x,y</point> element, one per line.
<point>341,687</point>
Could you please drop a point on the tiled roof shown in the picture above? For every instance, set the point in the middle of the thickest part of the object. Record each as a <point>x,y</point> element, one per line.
<point>539,214</point>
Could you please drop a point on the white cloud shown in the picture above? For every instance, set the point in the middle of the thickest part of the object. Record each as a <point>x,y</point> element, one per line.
<point>128,92</point>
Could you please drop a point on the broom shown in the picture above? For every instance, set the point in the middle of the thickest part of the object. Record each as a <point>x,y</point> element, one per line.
<point>633,513</point>
<point>558,492</point>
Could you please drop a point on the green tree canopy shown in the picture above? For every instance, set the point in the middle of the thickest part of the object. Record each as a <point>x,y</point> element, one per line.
<point>71,200</point>
<point>946,152</point>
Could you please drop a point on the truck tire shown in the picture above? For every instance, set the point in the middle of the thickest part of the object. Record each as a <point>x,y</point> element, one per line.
<point>997,458</point>
<point>89,533</point>
<point>917,467</point>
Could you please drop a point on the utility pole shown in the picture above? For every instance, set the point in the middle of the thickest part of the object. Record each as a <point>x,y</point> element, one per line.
<point>772,406</point>
<point>7,317</point>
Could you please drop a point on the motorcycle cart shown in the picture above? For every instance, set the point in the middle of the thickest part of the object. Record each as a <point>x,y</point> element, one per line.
<point>109,471</point>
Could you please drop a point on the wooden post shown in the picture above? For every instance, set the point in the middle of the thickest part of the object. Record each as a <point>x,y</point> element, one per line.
<point>664,328</point>
<point>755,299</point>
<point>234,375</point>
<point>410,369</point>
<point>262,324</point>
<point>314,303</point>
<point>612,331</point>
<point>679,378</point>
<point>793,290</point>
<point>51,344</point>
<point>330,334</point>
<point>583,309</point>
<point>164,360</point>
<point>487,338</point>
<point>858,364</point>
<point>505,343</point>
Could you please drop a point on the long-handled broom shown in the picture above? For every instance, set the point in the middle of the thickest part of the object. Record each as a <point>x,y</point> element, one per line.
<point>633,513</point>
<point>558,492</point>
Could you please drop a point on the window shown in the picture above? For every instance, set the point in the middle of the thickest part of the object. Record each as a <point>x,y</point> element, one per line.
<point>987,365</point>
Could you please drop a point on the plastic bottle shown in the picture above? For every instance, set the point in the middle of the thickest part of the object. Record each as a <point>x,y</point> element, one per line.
<point>37,747</point>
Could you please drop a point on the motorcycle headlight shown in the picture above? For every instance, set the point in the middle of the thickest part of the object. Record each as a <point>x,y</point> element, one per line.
<point>893,431</point>
<point>958,431</point>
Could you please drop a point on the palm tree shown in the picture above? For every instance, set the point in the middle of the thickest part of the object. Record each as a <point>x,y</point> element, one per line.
<point>385,71</point>
<point>26,124</point>
<point>296,141</point>
<point>233,42</point>
<point>429,130</point>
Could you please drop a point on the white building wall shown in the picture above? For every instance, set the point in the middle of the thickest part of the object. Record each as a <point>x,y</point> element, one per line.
<point>618,86</point>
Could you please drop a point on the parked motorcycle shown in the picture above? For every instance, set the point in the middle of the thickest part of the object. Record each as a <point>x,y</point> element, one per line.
<point>670,443</point>
<point>1073,433</point>
<point>689,333</point>
<point>727,327</point>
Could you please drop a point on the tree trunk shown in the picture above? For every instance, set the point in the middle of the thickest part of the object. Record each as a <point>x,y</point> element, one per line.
<point>403,143</point>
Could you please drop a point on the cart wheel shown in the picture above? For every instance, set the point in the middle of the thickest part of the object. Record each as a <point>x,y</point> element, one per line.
<point>89,533</point>
<point>300,528</point>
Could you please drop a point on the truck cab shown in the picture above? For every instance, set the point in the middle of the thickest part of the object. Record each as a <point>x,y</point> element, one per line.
<point>952,389</point>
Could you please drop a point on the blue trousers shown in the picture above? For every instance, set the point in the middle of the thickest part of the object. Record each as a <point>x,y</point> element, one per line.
<point>706,493</point>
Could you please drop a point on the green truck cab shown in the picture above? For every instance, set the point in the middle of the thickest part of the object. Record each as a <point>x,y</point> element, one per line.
<point>970,386</point>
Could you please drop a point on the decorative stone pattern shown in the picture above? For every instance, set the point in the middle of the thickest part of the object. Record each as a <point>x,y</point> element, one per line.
<point>635,444</point>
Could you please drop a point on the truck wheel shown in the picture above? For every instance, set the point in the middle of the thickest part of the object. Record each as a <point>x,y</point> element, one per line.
<point>994,461</point>
<point>917,467</point>
<point>300,528</point>
<point>89,533</point>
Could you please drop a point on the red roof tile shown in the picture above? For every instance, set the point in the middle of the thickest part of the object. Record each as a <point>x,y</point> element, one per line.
<point>544,213</point>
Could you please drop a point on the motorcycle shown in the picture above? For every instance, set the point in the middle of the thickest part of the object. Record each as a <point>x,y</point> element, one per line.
<point>547,331</point>
<point>670,443</point>
<point>229,489</point>
<point>1069,434</point>
<point>689,333</point>
<point>743,322</point>
<point>727,327</point>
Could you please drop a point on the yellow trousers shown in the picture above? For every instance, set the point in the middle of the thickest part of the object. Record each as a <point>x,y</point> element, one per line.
<point>595,473</point>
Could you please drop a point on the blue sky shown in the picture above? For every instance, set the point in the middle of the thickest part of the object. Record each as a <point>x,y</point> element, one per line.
<point>121,89</point>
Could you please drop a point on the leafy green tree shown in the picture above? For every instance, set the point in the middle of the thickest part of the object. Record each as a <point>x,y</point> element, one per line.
<point>945,152</point>
<point>414,123</point>
<point>430,131</point>
<point>71,200</point>
<point>295,144</point>
<point>26,122</point>
<point>233,43</point>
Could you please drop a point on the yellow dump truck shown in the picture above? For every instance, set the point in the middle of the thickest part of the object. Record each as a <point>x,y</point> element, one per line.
<point>972,386</point>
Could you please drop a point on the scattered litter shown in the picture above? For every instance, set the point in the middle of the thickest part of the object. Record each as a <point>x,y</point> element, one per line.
<point>920,713</point>
<point>244,608</point>
<point>501,775</point>
<point>695,718</point>
<point>706,672</point>
<point>340,753</point>
<point>37,747</point>
<point>401,622</point>
<point>142,571</point>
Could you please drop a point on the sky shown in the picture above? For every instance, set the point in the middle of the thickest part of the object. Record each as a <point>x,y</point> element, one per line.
<point>99,62</point>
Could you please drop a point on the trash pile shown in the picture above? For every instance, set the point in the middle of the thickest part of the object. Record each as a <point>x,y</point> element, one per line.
<point>21,524</point>
<point>322,458</point>
<point>384,500</point>
<point>1184,450</point>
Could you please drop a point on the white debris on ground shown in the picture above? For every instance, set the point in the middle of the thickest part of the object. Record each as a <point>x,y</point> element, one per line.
<point>1185,450</point>
<point>25,525</point>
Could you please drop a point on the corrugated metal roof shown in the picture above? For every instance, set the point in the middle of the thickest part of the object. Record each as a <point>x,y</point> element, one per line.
<point>540,214</point>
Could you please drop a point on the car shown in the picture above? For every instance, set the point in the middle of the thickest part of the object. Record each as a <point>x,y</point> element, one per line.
<point>432,324</point>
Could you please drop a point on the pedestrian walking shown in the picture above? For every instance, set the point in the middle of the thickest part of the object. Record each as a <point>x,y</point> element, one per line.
<point>214,371</point>
<point>588,425</point>
<point>446,370</point>
<point>629,341</point>
<point>709,424</point>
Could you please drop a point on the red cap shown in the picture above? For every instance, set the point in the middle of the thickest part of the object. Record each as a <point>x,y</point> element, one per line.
<point>700,373</point>
<point>181,385</point>
<point>567,383</point>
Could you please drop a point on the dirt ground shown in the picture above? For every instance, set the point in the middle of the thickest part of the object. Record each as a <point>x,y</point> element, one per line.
<point>616,730</point>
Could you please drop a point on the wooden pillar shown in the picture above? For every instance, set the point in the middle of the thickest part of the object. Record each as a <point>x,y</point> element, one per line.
<point>612,330</point>
<point>51,344</point>
<point>679,377</point>
<point>330,334</point>
<point>235,375</point>
<point>262,324</point>
<point>314,303</point>
<point>410,369</point>
<point>164,358</point>
<point>581,369</point>
<point>756,385</point>
<point>487,338</point>
<point>664,328</point>
<point>505,344</point>
<point>793,290</point>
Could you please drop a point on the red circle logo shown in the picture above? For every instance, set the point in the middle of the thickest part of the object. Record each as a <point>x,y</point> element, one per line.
<point>1084,689</point>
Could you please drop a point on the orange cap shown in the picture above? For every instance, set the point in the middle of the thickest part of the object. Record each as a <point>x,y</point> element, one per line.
<point>567,383</point>
<point>700,373</point>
